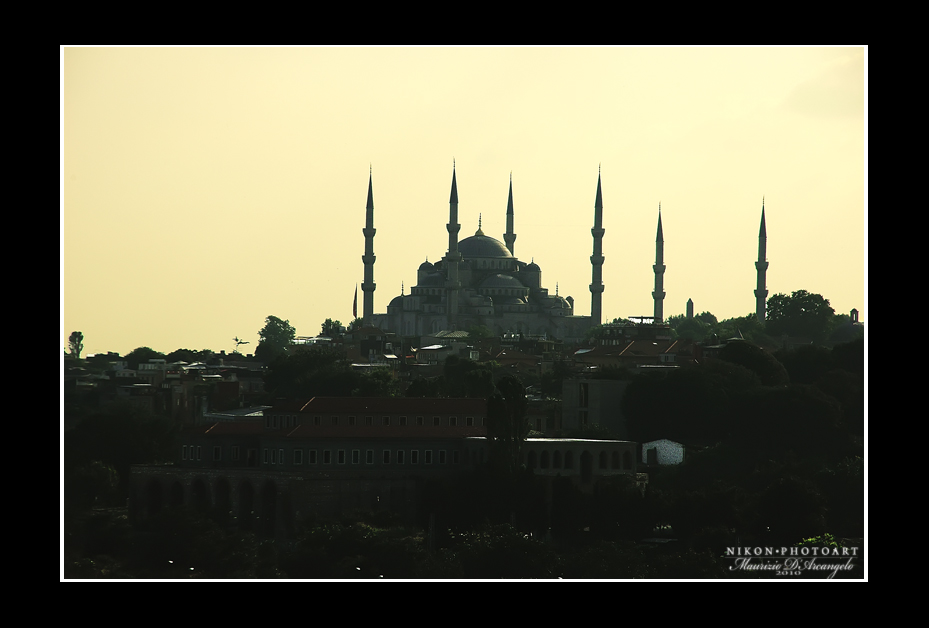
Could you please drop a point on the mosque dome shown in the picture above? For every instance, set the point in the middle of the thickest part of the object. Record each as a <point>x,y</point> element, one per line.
<point>478,246</point>
<point>533,267</point>
<point>426,266</point>
<point>501,281</point>
<point>433,280</point>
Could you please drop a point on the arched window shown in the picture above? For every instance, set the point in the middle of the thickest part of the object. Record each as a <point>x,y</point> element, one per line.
<point>543,461</point>
<point>627,460</point>
<point>569,459</point>
<point>556,460</point>
<point>530,460</point>
<point>603,460</point>
<point>615,460</point>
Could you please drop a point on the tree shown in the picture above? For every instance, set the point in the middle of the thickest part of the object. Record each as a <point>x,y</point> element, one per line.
<point>801,314</point>
<point>358,323</point>
<point>331,328</point>
<point>769,370</point>
<point>188,355</point>
<point>76,344</point>
<point>480,331</point>
<point>142,354</point>
<point>274,338</point>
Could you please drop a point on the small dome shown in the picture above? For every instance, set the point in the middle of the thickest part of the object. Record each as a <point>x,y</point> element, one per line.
<point>396,302</point>
<point>533,267</point>
<point>432,280</point>
<point>501,281</point>
<point>426,266</point>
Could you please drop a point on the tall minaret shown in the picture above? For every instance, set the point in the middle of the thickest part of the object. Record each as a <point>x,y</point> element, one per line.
<point>368,258</point>
<point>659,267</point>
<point>510,237</point>
<point>453,256</point>
<point>596,260</point>
<point>761,266</point>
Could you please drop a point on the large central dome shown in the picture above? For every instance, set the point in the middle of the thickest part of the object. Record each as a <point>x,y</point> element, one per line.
<point>478,246</point>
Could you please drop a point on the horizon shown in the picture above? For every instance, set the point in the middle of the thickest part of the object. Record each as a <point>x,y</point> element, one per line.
<point>204,189</point>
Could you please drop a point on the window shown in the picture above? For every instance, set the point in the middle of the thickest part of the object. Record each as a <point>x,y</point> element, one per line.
<point>351,421</point>
<point>341,456</point>
<point>327,457</point>
<point>184,452</point>
<point>356,456</point>
<point>280,456</point>
<point>298,456</point>
<point>369,420</point>
<point>317,420</point>
<point>428,456</point>
<point>198,452</point>
<point>469,421</point>
<point>264,456</point>
<point>420,421</point>
<point>435,421</point>
<point>386,456</point>
<point>335,420</point>
<point>453,421</point>
<point>414,456</point>
<point>456,457</point>
<point>311,457</point>
<point>400,456</point>
<point>235,452</point>
<point>385,420</point>
<point>369,456</point>
<point>403,421</point>
<point>276,422</point>
<point>217,453</point>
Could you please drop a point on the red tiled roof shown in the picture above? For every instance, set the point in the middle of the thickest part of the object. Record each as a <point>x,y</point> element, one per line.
<point>229,427</point>
<point>382,431</point>
<point>409,406</point>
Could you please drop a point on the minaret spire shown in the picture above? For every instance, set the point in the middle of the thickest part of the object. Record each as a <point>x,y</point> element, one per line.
<point>659,268</point>
<point>452,285</point>
<point>510,236</point>
<point>368,258</point>
<point>761,266</point>
<point>596,260</point>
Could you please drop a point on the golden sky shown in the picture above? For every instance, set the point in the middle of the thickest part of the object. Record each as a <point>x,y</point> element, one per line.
<point>204,189</point>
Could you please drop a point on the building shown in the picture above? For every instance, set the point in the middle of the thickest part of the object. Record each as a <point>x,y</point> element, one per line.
<point>662,452</point>
<point>480,281</point>
<point>323,457</point>
<point>587,403</point>
<point>331,456</point>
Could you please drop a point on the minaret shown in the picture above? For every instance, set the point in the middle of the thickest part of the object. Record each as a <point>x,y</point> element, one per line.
<point>510,237</point>
<point>761,266</point>
<point>453,256</point>
<point>659,267</point>
<point>368,258</point>
<point>596,260</point>
<point>690,308</point>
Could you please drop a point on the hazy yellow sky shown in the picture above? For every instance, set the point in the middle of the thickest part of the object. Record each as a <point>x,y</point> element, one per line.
<point>204,189</point>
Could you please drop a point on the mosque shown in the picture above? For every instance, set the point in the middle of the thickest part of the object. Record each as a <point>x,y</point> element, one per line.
<point>480,281</point>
